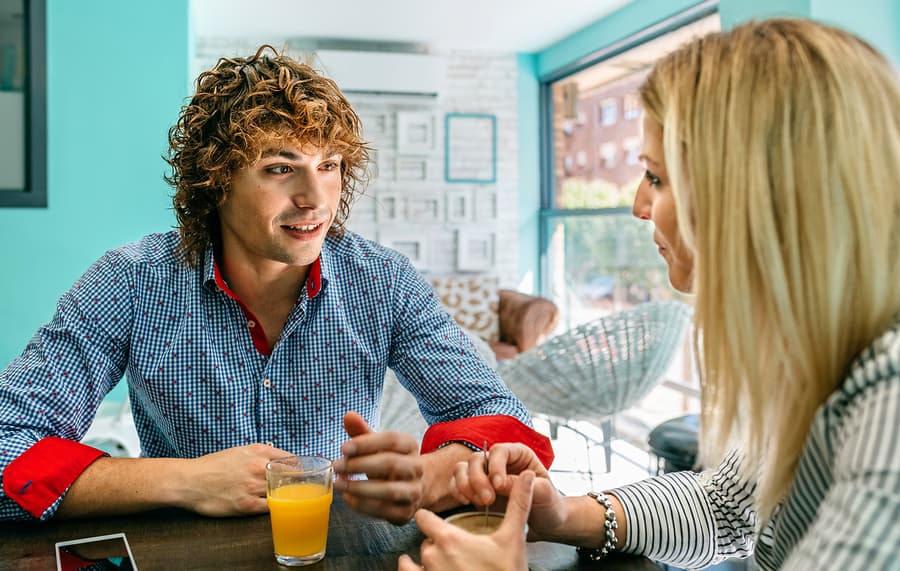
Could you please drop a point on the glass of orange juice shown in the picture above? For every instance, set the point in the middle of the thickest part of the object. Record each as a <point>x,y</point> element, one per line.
<point>299,491</point>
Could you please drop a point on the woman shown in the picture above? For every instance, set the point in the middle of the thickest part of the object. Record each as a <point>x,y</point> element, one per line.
<point>773,158</point>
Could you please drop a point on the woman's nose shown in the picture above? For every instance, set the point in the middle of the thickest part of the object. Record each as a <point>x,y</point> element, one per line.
<point>642,201</point>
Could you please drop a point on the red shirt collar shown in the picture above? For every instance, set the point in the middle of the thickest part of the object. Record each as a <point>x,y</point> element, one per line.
<point>313,279</point>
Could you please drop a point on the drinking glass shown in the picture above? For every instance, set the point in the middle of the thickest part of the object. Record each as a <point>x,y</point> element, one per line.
<point>299,492</point>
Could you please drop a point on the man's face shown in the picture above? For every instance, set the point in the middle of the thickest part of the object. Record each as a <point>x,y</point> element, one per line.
<point>279,209</point>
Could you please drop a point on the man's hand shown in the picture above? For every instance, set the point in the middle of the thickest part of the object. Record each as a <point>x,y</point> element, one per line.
<point>391,462</point>
<point>226,483</point>
<point>448,548</point>
<point>229,482</point>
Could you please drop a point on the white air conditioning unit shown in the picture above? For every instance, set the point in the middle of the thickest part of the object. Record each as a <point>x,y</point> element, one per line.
<point>383,72</point>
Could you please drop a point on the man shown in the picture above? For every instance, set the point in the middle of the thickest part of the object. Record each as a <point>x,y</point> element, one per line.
<point>250,333</point>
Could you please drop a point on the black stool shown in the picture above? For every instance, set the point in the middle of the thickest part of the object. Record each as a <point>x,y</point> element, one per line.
<point>674,443</point>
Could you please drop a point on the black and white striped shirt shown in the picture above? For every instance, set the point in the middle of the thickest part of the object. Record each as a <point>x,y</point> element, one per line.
<point>843,509</point>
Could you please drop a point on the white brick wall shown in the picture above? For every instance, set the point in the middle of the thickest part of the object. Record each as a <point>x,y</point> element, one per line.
<point>476,82</point>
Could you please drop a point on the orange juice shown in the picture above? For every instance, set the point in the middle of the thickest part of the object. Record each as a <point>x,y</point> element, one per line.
<point>300,518</point>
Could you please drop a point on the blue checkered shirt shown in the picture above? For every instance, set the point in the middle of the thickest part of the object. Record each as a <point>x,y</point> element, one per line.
<point>197,383</point>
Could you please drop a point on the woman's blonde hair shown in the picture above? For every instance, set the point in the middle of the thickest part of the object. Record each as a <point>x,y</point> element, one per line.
<point>782,143</point>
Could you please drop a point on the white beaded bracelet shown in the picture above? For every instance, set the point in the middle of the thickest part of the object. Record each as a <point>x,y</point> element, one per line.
<point>610,525</point>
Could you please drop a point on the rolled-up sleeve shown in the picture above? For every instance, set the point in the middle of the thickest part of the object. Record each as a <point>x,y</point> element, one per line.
<point>50,393</point>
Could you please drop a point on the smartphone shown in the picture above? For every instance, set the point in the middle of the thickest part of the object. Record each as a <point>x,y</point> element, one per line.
<point>100,553</point>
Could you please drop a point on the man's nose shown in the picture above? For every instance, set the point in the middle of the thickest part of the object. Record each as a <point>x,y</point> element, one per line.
<point>309,191</point>
<point>642,201</point>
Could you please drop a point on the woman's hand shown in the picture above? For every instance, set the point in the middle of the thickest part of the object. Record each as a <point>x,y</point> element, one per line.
<point>473,484</point>
<point>449,548</point>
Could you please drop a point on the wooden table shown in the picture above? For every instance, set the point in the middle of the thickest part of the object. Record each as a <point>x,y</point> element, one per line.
<point>178,540</point>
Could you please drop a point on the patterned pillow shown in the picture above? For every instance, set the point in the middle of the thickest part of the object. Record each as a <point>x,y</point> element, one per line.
<point>473,301</point>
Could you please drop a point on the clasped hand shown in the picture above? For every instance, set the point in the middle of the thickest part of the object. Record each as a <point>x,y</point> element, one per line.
<point>394,487</point>
<point>513,475</point>
<point>478,484</point>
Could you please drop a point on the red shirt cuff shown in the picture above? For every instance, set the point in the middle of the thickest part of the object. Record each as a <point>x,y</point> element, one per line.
<point>41,474</point>
<point>493,429</point>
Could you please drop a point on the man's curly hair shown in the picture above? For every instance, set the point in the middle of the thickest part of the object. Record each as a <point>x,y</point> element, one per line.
<point>241,105</point>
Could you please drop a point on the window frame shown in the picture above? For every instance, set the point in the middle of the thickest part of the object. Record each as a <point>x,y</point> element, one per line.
<point>547,209</point>
<point>34,194</point>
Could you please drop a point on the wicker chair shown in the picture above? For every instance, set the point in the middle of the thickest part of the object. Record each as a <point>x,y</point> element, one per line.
<point>598,369</point>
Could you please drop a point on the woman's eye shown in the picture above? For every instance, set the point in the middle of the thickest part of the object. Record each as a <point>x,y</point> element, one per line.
<point>652,179</point>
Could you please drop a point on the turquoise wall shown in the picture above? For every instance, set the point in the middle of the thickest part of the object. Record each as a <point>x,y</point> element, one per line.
<point>878,21</point>
<point>117,74</point>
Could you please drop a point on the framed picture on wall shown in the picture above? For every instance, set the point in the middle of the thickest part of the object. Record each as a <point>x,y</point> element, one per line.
<point>425,208</point>
<point>486,208</point>
<point>459,206</point>
<point>373,169</point>
<point>390,207</point>
<point>411,168</point>
<point>415,132</point>
<point>474,250</point>
<point>470,148</point>
<point>374,124</point>
<point>414,247</point>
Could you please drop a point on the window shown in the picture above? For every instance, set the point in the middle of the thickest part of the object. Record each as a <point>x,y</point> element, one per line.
<point>632,146</point>
<point>581,159</point>
<point>608,152</point>
<point>23,178</point>
<point>595,257</point>
<point>632,106</point>
<point>595,171</point>
<point>609,110</point>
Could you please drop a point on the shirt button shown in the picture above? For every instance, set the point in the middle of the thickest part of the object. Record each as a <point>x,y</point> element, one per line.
<point>267,383</point>
<point>270,444</point>
<point>251,324</point>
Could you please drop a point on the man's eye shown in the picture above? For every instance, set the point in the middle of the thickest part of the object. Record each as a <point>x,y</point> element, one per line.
<point>279,169</point>
<point>330,166</point>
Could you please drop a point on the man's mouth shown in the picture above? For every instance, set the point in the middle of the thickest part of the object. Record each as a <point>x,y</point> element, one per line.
<point>305,228</point>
